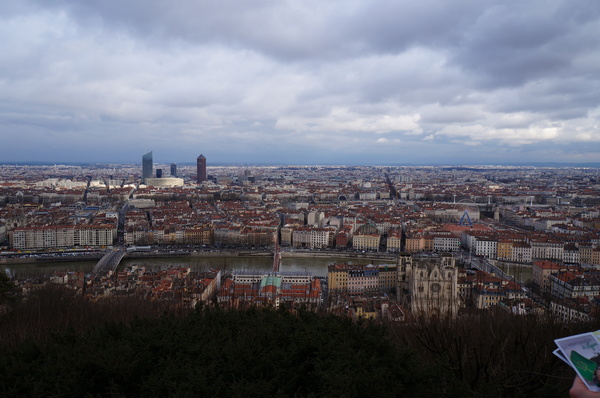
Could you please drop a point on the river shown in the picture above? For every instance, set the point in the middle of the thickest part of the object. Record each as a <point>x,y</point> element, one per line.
<point>315,265</point>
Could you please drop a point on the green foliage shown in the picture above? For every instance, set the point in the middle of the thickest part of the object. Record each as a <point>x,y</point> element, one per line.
<point>217,353</point>
<point>57,343</point>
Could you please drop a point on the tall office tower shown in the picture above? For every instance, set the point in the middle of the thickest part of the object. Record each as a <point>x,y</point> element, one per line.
<point>173,170</point>
<point>201,169</point>
<point>147,166</point>
<point>158,173</point>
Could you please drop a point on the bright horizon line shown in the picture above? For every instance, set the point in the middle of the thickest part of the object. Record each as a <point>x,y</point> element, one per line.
<point>218,164</point>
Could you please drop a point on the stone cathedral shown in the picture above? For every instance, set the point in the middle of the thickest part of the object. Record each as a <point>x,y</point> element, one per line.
<point>429,287</point>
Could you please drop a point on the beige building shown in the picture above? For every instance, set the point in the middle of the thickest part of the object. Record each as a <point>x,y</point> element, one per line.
<point>541,271</point>
<point>366,242</point>
<point>546,249</point>
<point>286,234</point>
<point>49,237</point>
<point>95,235</point>
<point>415,244</point>
<point>586,254</point>
<point>357,279</point>
<point>521,252</point>
<point>429,288</point>
<point>394,241</point>
<point>200,235</point>
<point>337,278</point>
<point>446,243</point>
<point>314,238</point>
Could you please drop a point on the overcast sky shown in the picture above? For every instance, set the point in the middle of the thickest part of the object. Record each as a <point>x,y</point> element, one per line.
<point>300,82</point>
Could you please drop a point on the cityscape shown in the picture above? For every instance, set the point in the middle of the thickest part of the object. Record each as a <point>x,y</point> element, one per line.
<point>403,241</point>
<point>300,198</point>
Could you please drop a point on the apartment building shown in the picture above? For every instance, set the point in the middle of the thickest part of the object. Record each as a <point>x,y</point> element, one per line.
<point>369,242</point>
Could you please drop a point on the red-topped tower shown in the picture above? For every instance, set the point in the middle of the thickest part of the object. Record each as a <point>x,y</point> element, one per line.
<point>201,169</point>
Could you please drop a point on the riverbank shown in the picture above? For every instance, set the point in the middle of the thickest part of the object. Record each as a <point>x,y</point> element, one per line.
<point>57,259</point>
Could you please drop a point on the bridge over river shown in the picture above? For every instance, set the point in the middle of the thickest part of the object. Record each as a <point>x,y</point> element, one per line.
<point>110,261</point>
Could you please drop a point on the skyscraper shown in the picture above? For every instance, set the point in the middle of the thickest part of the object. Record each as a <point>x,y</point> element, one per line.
<point>147,166</point>
<point>201,169</point>
<point>173,170</point>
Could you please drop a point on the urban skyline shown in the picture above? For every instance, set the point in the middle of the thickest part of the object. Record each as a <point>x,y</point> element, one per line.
<point>389,83</point>
<point>393,245</point>
<point>166,162</point>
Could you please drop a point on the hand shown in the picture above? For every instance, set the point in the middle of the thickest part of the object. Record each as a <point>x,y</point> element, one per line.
<point>580,390</point>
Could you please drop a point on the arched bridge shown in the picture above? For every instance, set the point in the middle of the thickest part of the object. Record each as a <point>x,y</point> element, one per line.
<point>110,261</point>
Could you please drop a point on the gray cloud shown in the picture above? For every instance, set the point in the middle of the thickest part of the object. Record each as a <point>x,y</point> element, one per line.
<point>354,81</point>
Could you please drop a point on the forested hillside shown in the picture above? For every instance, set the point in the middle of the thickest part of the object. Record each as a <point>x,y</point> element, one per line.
<point>59,344</point>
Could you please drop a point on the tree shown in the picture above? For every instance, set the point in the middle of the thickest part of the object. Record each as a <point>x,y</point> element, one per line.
<point>213,352</point>
<point>7,289</point>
